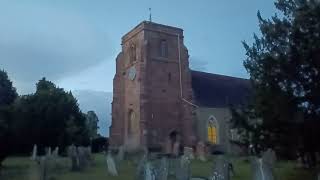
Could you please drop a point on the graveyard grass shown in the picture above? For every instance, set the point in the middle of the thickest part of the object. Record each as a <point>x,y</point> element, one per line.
<point>22,168</point>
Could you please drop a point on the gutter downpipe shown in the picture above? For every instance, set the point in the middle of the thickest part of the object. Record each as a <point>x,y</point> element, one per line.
<point>180,75</point>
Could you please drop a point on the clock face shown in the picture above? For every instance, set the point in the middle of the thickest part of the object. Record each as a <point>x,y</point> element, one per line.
<point>132,73</point>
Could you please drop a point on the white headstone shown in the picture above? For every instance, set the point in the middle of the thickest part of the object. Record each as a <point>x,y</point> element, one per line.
<point>55,152</point>
<point>120,155</point>
<point>34,152</point>
<point>149,174</point>
<point>49,151</point>
<point>261,170</point>
<point>112,169</point>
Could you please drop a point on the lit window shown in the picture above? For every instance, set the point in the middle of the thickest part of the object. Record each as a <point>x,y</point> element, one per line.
<point>212,134</point>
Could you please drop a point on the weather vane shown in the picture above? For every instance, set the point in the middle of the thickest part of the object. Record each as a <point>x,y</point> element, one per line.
<point>150,15</point>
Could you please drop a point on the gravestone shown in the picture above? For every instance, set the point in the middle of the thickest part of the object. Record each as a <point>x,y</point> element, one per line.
<point>261,170</point>
<point>48,151</point>
<point>299,161</point>
<point>201,155</point>
<point>163,170</point>
<point>55,152</point>
<point>88,155</point>
<point>188,152</point>
<point>149,172</point>
<point>183,171</point>
<point>112,169</point>
<point>168,146</point>
<point>34,152</point>
<point>120,155</point>
<point>269,157</point>
<point>73,155</point>
<point>176,148</point>
<point>82,161</point>
<point>43,168</point>
<point>220,169</point>
<point>141,166</point>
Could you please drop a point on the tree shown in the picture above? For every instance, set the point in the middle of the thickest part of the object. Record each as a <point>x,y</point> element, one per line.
<point>284,67</point>
<point>49,117</point>
<point>8,95</point>
<point>92,124</point>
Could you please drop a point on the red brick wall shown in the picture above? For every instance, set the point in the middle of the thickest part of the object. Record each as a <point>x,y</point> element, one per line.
<point>152,95</point>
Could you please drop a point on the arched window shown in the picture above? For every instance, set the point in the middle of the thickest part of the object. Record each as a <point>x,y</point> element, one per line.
<point>133,53</point>
<point>132,124</point>
<point>213,130</point>
<point>163,48</point>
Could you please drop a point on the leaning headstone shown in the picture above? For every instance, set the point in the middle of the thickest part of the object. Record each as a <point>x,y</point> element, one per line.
<point>188,152</point>
<point>261,170</point>
<point>112,169</point>
<point>120,155</point>
<point>149,172</point>
<point>34,153</point>
<point>221,169</point>
<point>183,171</point>
<point>201,155</point>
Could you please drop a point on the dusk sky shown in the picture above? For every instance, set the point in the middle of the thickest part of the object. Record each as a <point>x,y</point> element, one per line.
<point>74,42</point>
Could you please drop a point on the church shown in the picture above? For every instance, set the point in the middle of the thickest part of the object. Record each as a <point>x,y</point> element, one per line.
<point>158,99</point>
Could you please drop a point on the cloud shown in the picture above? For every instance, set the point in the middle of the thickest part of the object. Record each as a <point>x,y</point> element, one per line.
<point>39,40</point>
<point>100,103</point>
<point>198,64</point>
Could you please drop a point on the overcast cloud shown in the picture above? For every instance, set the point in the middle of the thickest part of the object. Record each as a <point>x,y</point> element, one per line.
<point>42,40</point>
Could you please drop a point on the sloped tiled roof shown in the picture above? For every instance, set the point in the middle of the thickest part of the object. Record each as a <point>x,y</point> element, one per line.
<point>218,91</point>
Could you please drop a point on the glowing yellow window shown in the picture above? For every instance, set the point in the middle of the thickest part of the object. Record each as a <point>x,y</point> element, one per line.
<point>212,134</point>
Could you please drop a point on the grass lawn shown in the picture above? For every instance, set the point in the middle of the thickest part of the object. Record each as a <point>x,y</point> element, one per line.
<point>22,168</point>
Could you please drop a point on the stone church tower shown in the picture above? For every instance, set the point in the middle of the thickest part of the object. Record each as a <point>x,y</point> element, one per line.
<point>152,89</point>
